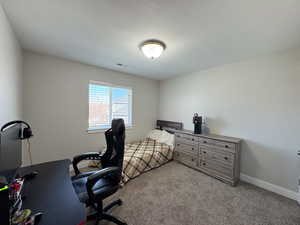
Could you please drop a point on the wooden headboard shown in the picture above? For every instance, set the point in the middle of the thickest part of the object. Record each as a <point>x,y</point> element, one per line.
<point>163,124</point>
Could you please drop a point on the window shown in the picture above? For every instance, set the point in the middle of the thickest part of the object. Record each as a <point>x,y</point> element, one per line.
<point>107,102</point>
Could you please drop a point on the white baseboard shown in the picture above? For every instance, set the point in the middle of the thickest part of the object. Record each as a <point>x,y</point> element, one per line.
<point>271,187</point>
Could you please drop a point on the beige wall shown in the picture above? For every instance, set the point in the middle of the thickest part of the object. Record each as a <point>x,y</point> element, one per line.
<point>257,100</point>
<point>10,73</point>
<point>56,105</point>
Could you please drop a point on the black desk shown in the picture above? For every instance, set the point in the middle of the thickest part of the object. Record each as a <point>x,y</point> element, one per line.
<point>52,193</point>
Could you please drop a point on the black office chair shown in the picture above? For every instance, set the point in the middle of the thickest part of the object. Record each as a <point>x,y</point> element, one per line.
<point>92,187</point>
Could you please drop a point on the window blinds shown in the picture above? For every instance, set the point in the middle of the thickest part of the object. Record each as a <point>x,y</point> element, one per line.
<point>107,103</point>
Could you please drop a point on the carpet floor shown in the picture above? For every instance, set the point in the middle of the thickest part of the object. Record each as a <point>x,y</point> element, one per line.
<point>177,195</point>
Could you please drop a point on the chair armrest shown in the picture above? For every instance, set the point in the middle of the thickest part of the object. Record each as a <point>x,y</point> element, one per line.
<point>92,179</point>
<point>84,156</point>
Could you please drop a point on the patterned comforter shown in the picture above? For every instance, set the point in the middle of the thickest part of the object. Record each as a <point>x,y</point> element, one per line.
<point>142,156</point>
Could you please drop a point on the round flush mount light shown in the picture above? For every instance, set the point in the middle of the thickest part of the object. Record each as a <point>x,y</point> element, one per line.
<point>152,49</point>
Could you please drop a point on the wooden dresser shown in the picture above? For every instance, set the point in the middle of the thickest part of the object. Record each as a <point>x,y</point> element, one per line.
<point>215,155</point>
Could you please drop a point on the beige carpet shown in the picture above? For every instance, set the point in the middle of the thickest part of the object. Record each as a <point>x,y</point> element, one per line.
<point>177,195</point>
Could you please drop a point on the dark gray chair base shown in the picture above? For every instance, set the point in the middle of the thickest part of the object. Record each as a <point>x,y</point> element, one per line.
<point>102,215</point>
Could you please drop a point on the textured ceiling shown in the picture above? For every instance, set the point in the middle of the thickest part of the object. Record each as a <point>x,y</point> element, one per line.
<point>199,33</point>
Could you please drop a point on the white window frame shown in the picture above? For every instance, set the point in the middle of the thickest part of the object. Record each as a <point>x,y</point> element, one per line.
<point>99,129</point>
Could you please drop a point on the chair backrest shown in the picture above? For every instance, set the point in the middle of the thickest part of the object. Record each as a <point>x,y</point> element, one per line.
<point>115,141</point>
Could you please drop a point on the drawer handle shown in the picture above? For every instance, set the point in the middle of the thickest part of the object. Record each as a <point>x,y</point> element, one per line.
<point>192,139</point>
<point>193,159</point>
<point>178,144</point>
<point>192,148</point>
<point>203,164</point>
<point>204,142</point>
<point>226,146</point>
<point>204,152</point>
<point>226,158</point>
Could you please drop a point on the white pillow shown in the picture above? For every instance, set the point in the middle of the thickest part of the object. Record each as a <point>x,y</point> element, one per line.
<point>167,138</point>
<point>171,141</point>
<point>155,134</point>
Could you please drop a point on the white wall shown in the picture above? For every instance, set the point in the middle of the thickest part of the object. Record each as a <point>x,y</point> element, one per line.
<point>257,100</point>
<point>56,105</point>
<point>10,73</point>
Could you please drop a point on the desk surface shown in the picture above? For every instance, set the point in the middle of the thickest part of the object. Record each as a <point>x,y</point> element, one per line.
<point>52,193</point>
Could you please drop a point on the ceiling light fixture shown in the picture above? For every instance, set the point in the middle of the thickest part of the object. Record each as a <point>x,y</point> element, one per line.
<point>152,49</point>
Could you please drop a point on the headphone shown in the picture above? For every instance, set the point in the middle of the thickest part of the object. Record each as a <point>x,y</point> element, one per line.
<point>25,133</point>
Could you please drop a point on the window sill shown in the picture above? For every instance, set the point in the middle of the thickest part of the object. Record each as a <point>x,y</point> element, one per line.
<point>102,130</point>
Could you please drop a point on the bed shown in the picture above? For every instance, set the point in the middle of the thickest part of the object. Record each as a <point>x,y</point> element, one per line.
<point>152,152</point>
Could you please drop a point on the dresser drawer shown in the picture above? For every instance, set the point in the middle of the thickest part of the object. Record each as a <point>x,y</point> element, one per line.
<point>221,169</point>
<point>186,159</point>
<point>224,157</point>
<point>224,144</point>
<point>182,147</point>
<point>230,147</point>
<point>187,139</point>
<point>206,141</point>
